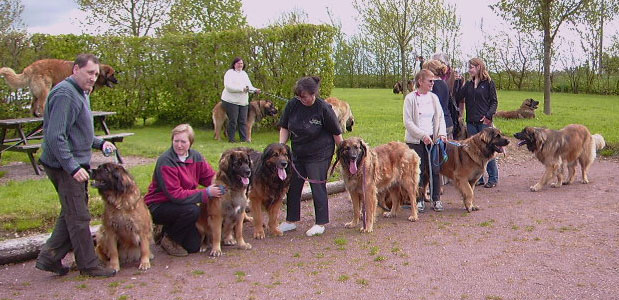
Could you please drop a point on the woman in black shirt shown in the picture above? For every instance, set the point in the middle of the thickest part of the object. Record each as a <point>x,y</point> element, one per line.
<point>311,125</point>
<point>479,97</point>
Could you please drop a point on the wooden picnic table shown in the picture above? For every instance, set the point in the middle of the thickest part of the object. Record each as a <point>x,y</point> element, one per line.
<point>23,141</point>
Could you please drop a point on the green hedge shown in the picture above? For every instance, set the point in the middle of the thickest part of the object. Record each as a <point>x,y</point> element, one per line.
<point>179,78</point>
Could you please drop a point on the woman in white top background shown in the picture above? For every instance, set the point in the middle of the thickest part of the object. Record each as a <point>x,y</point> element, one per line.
<point>235,99</point>
<point>425,124</point>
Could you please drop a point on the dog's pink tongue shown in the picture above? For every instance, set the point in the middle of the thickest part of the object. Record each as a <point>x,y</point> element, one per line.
<point>281,173</point>
<point>245,180</point>
<point>352,166</point>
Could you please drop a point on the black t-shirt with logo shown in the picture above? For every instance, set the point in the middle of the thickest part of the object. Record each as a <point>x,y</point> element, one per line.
<point>311,129</point>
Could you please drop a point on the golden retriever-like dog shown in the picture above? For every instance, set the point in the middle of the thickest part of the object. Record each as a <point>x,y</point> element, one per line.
<point>526,111</point>
<point>556,148</point>
<point>343,112</point>
<point>270,182</point>
<point>467,161</point>
<point>258,109</point>
<point>42,75</point>
<point>126,231</point>
<point>224,215</point>
<point>379,172</point>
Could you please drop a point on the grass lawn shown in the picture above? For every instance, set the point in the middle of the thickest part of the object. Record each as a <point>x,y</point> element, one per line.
<point>33,204</point>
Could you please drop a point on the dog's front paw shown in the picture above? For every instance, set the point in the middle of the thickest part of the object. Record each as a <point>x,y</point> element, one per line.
<point>366,230</point>
<point>351,224</point>
<point>556,185</point>
<point>229,242</point>
<point>585,181</point>
<point>413,218</point>
<point>259,234</point>
<point>245,246</point>
<point>215,252</point>
<point>145,265</point>
<point>535,188</point>
<point>277,232</point>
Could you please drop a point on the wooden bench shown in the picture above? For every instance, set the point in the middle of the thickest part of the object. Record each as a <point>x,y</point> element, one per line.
<point>30,149</point>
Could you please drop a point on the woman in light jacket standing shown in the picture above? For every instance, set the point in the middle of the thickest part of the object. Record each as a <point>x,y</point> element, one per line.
<point>425,125</point>
<point>235,99</point>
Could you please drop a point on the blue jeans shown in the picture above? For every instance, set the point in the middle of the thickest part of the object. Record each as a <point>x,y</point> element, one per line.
<point>491,168</point>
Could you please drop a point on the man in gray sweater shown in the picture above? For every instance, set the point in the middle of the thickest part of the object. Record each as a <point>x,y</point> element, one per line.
<point>68,139</point>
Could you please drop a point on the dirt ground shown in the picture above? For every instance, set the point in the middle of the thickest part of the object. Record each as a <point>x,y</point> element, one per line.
<point>553,244</point>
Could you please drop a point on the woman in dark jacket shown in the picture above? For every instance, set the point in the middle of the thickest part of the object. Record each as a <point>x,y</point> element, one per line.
<point>479,98</point>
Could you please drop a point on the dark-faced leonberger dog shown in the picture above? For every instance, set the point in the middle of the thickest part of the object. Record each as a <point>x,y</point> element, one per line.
<point>343,112</point>
<point>556,148</point>
<point>42,75</point>
<point>526,111</point>
<point>270,182</point>
<point>258,109</point>
<point>224,216</point>
<point>372,173</point>
<point>466,162</point>
<point>398,88</point>
<point>126,231</point>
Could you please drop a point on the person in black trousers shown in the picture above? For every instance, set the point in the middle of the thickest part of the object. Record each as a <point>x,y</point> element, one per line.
<point>311,125</point>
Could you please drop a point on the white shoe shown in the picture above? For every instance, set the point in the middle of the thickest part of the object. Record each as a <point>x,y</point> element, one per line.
<point>285,226</point>
<point>315,230</point>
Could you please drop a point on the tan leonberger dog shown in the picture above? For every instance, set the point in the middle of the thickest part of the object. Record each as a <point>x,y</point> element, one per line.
<point>467,161</point>
<point>555,149</point>
<point>223,216</point>
<point>126,231</point>
<point>343,113</point>
<point>379,172</point>
<point>42,75</point>
<point>270,183</point>
<point>258,109</point>
<point>526,111</point>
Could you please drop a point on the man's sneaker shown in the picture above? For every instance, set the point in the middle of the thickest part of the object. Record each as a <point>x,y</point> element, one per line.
<point>285,226</point>
<point>490,185</point>
<point>57,268</point>
<point>421,205</point>
<point>437,205</point>
<point>98,271</point>
<point>172,248</point>
<point>315,230</point>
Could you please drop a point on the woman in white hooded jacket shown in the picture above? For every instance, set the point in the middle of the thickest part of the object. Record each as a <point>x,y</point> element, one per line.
<point>235,99</point>
<point>425,124</point>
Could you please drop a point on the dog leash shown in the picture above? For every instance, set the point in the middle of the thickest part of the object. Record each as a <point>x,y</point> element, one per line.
<point>363,213</point>
<point>306,178</point>
<point>274,96</point>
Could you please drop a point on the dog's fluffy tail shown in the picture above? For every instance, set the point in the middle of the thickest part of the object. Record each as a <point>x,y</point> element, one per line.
<point>599,141</point>
<point>15,81</point>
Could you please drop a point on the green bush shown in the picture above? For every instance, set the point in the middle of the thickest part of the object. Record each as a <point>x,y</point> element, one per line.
<point>179,78</point>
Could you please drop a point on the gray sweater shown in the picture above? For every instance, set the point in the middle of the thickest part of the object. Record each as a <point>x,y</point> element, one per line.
<point>68,129</point>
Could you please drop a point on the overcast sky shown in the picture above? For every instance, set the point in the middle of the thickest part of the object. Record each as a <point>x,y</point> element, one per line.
<point>61,16</point>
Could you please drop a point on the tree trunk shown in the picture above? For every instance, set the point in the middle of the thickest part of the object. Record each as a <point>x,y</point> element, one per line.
<point>547,55</point>
<point>403,65</point>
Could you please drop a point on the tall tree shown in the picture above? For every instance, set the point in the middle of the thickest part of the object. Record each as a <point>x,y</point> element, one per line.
<point>125,17</point>
<point>398,21</point>
<point>546,16</point>
<point>10,15</point>
<point>204,16</point>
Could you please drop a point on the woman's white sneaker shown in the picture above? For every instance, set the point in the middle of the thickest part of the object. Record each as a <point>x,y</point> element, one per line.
<point>315,230</point>
<point>285,226</point>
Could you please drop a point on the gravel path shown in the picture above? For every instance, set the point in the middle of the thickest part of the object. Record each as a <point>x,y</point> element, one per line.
<point>553,244</point>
